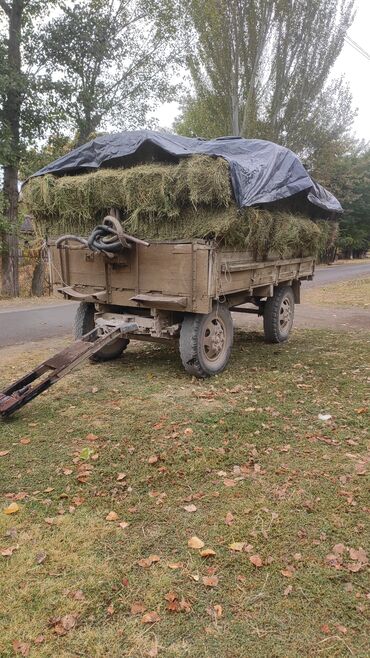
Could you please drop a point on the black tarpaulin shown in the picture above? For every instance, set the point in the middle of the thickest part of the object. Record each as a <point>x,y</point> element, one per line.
<point>261,171</point>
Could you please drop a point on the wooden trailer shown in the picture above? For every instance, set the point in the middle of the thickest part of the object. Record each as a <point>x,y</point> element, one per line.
<point>182,291</point>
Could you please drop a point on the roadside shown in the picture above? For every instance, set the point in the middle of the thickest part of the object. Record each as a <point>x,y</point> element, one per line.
<point>344,294</point>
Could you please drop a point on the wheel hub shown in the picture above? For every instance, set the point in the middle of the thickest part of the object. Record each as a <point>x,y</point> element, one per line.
<point>214,339</point>
<point>285,316</point>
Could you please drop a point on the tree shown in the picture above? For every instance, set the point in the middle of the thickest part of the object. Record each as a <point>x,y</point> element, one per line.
<point>109,61</point>
<point>21,118</point>
<point>261,69</point>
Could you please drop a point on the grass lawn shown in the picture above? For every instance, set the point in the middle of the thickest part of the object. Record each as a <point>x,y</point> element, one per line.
<point>346,293</point>
<point>241,460</point>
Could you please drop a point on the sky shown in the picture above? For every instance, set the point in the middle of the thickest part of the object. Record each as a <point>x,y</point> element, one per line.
<point>355,67</point>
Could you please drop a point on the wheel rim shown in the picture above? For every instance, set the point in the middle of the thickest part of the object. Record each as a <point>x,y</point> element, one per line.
<point>285,315</point>
<point>214,339</point>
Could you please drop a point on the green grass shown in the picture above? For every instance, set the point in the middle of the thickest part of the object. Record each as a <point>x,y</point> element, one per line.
<point>298,490</point>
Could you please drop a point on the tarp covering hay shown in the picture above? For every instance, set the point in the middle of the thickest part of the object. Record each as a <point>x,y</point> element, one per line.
<point>159,201</point>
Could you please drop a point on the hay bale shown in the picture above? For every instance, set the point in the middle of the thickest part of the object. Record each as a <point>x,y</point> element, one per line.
<point>161,201</point>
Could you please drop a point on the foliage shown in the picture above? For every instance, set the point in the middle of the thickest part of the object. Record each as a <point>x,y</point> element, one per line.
<point>345,168</point>
<point>260,69</point>
<point>109,61</point>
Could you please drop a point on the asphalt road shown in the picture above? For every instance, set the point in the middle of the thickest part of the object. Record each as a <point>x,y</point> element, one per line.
<point>22,325</point>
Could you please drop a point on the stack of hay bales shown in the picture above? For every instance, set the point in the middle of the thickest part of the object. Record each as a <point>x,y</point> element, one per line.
<point>157,201</point>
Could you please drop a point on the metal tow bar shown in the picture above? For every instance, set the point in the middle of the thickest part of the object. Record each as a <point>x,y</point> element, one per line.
<point>52,370</point>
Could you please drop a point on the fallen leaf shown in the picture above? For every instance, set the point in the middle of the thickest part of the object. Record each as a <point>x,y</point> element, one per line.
<point>23,648</point>
<point>210,581</point>
<point>188,431</point>
<point>25,441</point>
<point>40,557</point>
<point>237,546</point>
<point>4,452</point>
<point>341,628</point>
<point>256,560</point>
<point>77,595</point>
<point>112,516</point>
<point>229,519</point>
<point>195,542</point>
<point>339,549</point>
<point>218,611</point>
<point>297,557</point>
<point>195,577</point>
<point>147,562</point>
<point>150,618</point>
<point>324,417</point>
<point>137,608</point>
<point>39,639</point>
<point>110,609</point>
<point>229,483</point>
<point>207,552</point>
<point>190,508</point>
<point>12,509</point>
<point>91,437</point>
<point>49,520</point>
<point>67,471</point>
<point>359,555</point>
<point>362,410</point>
<point>124,525</point>
<point>121,476</point>
<point>94,389</point>
<point>325,629</point>
<point>288,590</point>
<point>288,572</point>
<point>86,453</point>
<point>63,625</point>
<point>175,565</point>
<point>153,459</point>
<point>8,552</point>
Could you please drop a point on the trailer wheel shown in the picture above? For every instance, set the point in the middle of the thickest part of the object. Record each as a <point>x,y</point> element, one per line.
<point>206,342</point>
<point>278,315</point>
<point>84,322</point>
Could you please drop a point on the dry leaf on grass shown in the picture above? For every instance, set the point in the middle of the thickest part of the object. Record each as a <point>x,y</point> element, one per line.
<point>121,476</point>
<point>8,552</point>
<point>288,590</point>
<point>175,565</point>
<point>4,452</point>
<point>25,441</point>
<point>12,509</point>
<point>190,508</point>
<point>237,546</point>
<point>288,572</point>
<point>124,525</point>
<point>62,625</point>
<point>229,483</point>
<point>137,608</point>
<point>40,557</point>
<point>153,459</point>
<point>195,542</point>
<point>91,437</point>
<point>112,516</point>
<point>147,562</point>
<point>229,519</point>
<point>256,560</point>
<point>22,648</point>
<point>210,581</point>
<point>150,618</point>
<point>207,552</point>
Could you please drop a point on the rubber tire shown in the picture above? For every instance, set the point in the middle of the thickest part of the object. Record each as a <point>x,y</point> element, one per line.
<point>191,349</point>
<point>84,322</point>
<point>271,315</point>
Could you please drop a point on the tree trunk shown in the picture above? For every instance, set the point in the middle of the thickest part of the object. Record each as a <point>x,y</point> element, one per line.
<point>11,116</point>
<point>37,285</point>
<point>10,278</point>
